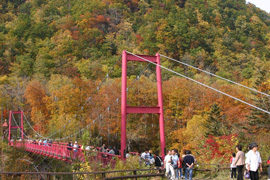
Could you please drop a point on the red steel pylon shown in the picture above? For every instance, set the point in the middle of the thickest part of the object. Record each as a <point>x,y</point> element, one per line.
<point>125,109</point>
<point>17,126</point>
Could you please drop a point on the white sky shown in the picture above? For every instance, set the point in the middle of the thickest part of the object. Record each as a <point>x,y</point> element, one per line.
<point>262,4</point>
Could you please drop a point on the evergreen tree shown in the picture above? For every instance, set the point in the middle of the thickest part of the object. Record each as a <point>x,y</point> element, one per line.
<point>214,121</point>
<point>259,120</point>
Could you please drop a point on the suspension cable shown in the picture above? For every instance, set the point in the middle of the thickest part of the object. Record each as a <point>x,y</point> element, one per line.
<point>88,99</point>
<point>212,74</point>
<point>18,126</point>
<point>66,137</point>
<point>26,152</point>
<point>109,107</point>
<point>32,127</point>
<point>201,83</point>
<point>138,76</point>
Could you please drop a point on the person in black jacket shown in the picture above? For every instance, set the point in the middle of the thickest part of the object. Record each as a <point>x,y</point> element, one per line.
<point>158,161</point>
<point>70,145</point>
<point>188,162</point>
<point>116,151</point>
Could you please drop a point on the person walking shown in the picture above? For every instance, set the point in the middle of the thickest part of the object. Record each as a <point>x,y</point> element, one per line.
<point>70,145</point>
<point>103,148</point>
<point>183,165</point>
<point>158,161</point>
<point>111,151</point>
<point>189,163</point>
<point>127,154</point>
<point>45,142</point>
<point>233,167</point>
<point>75,149</point>
<point>174,164</point>
<point>268,162</point>
<point>116,150</point>
<point>239,162</point>
<point>146,157</point>
<point>151,158</point>
<point>167,163</point>
<point>179,173</point>
<point>253,162</point>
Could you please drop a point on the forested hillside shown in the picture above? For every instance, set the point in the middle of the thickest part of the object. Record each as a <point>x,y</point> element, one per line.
<point>55,53</point>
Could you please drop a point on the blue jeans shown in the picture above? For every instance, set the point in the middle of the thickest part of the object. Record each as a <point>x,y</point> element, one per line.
<point>177,173</point>
<point>188,172</point>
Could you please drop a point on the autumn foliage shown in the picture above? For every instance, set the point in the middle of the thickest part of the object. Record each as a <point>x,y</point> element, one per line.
<point>59,63</point>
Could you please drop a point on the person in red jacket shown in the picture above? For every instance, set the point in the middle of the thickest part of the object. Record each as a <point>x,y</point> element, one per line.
<point>180,168</point>
<point>268,162</point>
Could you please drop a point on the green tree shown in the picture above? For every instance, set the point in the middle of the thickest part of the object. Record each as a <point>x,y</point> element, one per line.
<point>214,121</point>
<point>258,120</point>
<point>23,23</point>
<point>23,66</point>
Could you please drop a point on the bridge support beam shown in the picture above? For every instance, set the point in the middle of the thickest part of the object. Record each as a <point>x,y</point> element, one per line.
<point>161,112</point>
<point>143,110</point>
<point>19,126</point>
<point>124,105</point>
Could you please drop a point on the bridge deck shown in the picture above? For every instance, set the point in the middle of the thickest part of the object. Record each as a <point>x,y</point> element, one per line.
<point>62,151</point>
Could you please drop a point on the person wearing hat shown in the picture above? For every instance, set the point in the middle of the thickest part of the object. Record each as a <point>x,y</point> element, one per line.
<point>239,162</point>
<point>253,162</point>
<point>75,149</point>
<point>76,146</point>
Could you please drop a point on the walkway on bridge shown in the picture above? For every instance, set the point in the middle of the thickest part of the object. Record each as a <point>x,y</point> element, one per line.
<point>62,151</point>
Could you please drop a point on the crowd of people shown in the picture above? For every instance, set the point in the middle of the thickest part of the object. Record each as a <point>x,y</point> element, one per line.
<point>180,167</point>
<point>251,160</point>
<point>175,166</point>
<point>43,142</point>
<point>110,150</point>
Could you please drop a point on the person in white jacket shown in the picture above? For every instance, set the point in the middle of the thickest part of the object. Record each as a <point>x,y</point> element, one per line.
<point>233,167</point>
<point>253,162</point>
<point>167,163</point>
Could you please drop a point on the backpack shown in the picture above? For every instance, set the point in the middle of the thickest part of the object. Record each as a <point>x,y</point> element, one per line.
<point>161,162</point>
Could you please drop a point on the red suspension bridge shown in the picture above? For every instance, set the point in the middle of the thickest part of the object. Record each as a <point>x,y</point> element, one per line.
<point>62,151</point>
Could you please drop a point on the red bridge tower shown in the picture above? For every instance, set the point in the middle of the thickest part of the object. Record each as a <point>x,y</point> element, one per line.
<point>125,109</point>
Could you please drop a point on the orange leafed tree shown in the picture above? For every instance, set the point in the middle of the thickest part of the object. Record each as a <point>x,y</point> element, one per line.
<point>35,94</point>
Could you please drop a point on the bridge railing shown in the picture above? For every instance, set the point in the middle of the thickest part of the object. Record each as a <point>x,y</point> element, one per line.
<point>66,153</point>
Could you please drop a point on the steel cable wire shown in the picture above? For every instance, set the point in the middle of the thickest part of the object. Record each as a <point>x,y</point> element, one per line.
<point>251,105</point>
<point>138,76</point>
<point>88,99</point>
<point>212,74</point>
